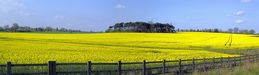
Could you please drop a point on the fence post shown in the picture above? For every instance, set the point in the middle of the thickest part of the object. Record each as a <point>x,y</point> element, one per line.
<point>249,58</point>
<point>246,58</point>
<point>119,68</point>
<point>228,60</point>
<point>221,61</point>
<point>9,68</point>
<point>89,69</point>
<point>235,61</point>
<point>164,66</point>
<point>240,59</point>
<point>52,68</point>
<point>180,66</point>
<point>204,64</point>
<point>213,64</point>
<point>144,67</point>
<point>254,58</point>
<point>193,64</point>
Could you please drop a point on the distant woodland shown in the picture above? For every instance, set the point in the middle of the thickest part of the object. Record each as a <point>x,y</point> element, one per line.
<point>168,28</point>
<point>141,27</point>
<point>216,30</point>
<point>148,27</point>
<point>16,28</point>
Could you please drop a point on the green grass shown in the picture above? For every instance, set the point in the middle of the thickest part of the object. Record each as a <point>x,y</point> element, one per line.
<point>112,47</point>
<point>246,69</point>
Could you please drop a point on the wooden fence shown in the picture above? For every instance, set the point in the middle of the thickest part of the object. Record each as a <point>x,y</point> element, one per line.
<point>176,67</point>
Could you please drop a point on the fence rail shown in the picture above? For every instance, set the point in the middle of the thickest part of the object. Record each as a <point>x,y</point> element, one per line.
<point>177,67</point>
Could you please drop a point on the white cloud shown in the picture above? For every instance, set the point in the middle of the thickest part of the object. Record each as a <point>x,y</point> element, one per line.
<point>14,8</point>
<point>7,6</point>
<point>120,6</point>
<point>239,21</point>
<point>58,17</point>
<point>245,1</point>
<point>239,13</point>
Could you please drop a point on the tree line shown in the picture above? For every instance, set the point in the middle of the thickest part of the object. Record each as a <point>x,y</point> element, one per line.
<point>141,27</point>
<point>126,27</point>
<point>200,30</point>
<point>216,30</point>
<point>16,28</point>
<point>242,31</point>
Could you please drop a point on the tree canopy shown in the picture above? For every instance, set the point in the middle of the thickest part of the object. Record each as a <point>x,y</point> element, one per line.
<point>141,27</point>
<point>235,30</point>
<point>16,28</point>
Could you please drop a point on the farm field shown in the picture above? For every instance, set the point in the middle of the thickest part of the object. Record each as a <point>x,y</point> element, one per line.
<point>112,47</point>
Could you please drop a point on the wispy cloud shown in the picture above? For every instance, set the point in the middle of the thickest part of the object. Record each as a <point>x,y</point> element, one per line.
<point>239,21</point>
<point>13,8</point>
<point>11,5</point>
<point>58,17</point>
<point>120,6</point>
<point>245,1</point>
<point>239,13</point>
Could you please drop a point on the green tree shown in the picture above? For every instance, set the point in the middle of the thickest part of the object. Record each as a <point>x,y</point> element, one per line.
<point>251,31</point>
<point>6,28</point>
<point>15,27</point>
<point>1,29</point>
<point>49,29</point>
<point>236,30</point>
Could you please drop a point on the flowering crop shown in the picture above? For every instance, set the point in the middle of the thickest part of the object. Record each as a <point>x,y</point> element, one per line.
<point>112,47</point>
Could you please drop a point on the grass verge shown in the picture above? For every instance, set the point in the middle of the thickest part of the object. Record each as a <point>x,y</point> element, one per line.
<point>245,69</point>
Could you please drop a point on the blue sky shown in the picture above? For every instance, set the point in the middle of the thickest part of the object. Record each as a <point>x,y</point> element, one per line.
<point>97,15</point>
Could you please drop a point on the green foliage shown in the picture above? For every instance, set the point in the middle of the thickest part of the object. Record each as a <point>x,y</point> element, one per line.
<point>141,27</point>
<point>216,30</point>
<point>16,28</point>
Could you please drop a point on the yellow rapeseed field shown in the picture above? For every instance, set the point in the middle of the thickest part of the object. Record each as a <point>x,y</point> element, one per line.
<point>112,47</point>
